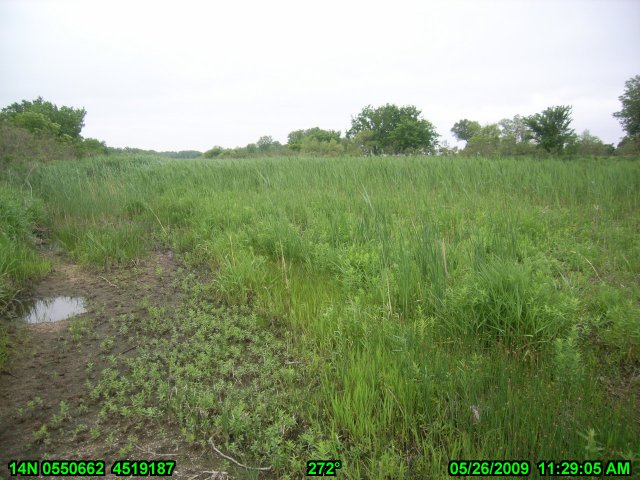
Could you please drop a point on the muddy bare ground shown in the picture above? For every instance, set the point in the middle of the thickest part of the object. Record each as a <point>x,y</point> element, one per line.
<point>48,365</point>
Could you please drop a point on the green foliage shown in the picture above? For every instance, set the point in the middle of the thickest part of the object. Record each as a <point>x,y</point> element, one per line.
<point>19,263</point>
<point>515,129</point>
<point>40,131</point>
<point>213,152</point>
<point>64,120</point>
<point>465,129</point>
<point>629,115</point>
<point>265,146</point>
<point>508,137</point>
<point>35,122</point>
<point>629,146</point>
<point>233,381</point>
<point>313,146</point>
<point>298,140</point>
<point>590,145</point>
<point>266,143</point>
<point>551,128</point>
<point>392,129</point>
<point>485,141</point>
<point>515,136</point>
<point>91,147</point>
<point>165,154</point>
<point>507,303</point>
<point>20,146</point>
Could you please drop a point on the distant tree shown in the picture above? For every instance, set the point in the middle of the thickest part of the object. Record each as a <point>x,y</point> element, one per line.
<point>447,150</point>
<point>551,128</point>
<point>515,128</point>
<point>297,138</point>
<point>185,154</point>
<point>251,148</point>
<point>485,141</point>
<point>515,136</point>
<point>465,129</point>
<point>629,146</point>
<point>392,129</point>
<point>362,142</point>
<point>629,115</point>
<point>264,143</point>
<point>70,120</point>
<point>90,147</point>
<point>213,152</point>
<point>587,144</point>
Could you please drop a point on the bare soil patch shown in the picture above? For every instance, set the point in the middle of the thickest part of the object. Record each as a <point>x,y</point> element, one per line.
<point>48,366</point>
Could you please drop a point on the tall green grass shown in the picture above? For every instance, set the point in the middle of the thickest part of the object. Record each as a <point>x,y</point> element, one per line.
<point>443,308</point>
<point>19,262</point>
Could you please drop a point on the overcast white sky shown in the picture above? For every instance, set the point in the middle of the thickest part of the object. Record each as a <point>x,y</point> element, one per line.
<point>189,75</point>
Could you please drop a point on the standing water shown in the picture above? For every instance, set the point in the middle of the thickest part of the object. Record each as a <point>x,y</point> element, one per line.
<point>55,309</point>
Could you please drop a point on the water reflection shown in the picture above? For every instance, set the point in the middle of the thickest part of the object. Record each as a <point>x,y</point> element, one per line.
<point>55,309</point>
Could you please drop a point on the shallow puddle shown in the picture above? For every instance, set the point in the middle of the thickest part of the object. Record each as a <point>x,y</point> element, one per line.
<point>54,309</point>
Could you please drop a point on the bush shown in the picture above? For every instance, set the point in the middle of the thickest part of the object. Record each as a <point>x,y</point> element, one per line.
<point>18,144</point>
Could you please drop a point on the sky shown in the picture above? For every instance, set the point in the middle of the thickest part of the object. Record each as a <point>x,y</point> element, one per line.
<point>188,75</point>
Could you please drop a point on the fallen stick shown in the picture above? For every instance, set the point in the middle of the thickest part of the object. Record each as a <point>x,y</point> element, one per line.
<point>129,349</point>
<point>106,280</point>
<point>263,469</point>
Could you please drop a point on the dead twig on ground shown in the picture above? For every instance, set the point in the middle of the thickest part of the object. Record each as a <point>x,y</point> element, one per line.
<point>129,349</point>
<point>590,264</point>
<point>262,469</point>
<point>107,280</point>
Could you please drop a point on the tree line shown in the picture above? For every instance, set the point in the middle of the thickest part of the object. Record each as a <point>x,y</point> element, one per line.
<point>392,130</point>
<point>549,131</point>
<point>385,130</point>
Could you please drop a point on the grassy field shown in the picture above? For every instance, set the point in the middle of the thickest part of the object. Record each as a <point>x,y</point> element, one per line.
<point>393,313</point>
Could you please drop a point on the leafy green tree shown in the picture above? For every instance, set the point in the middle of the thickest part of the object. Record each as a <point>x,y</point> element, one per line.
<point>70,120</point>
<point>465,129</point>
<point>362,142</point>
<point>587,144</point>
<point>515,136</point>
<point>264,143</point>
<point>515,129</point>
<point>213,152</point>
<point>297,138</point>
<point>629,115</point>
<point>90,147</point>
<point>485,141</point>
<point>313,146</point>
<point>35,122</point>
<point>629,146</point>
<point>392,129</point>
<point>551,128</point>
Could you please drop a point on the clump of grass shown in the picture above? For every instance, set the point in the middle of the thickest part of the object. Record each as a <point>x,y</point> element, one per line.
<point>19,263</point>
<point>505,301</point>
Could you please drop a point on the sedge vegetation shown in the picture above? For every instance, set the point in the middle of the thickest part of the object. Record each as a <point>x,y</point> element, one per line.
<point>393,313</point>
